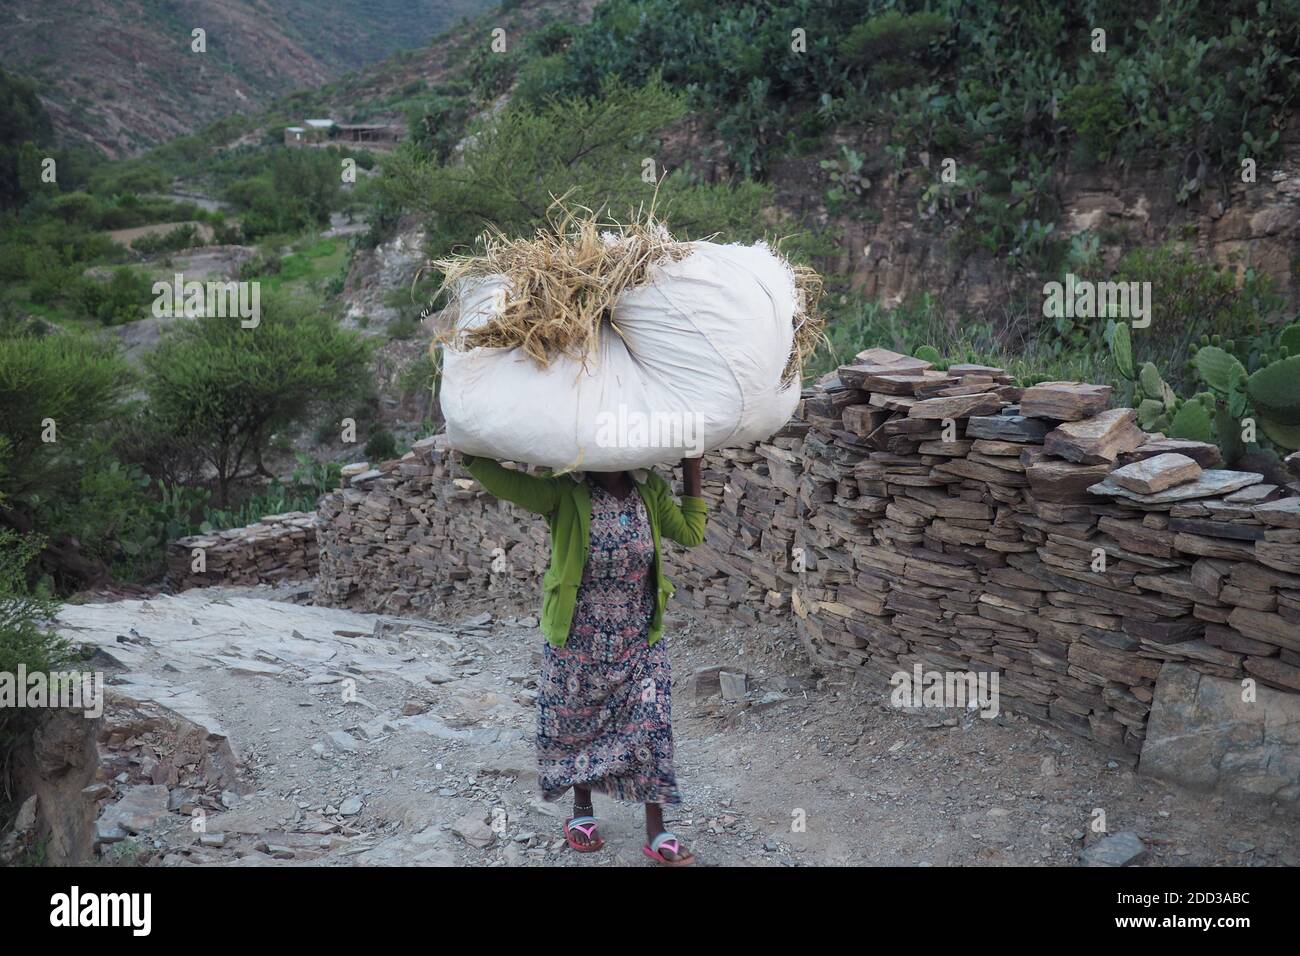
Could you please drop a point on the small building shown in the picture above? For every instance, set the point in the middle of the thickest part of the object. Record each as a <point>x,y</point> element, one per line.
<point>312,132</point>
<point>368,133</point>
<point>319,132</point>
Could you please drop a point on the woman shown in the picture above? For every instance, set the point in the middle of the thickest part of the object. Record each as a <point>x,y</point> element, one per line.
<point>604,719</point>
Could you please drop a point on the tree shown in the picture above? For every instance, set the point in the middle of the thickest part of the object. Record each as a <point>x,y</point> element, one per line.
<point>56,391</point>
<point>24,125</point>
<point>298,190</point>
<point>229,389</point>
<point>512,164</point>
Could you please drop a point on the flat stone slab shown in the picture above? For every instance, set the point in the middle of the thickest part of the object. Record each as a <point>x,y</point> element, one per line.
<point>1092,441</point>
<point>1016,428</point>
<point>241,665</point>
<point>1211,484</point>
<point>1064,401</point>
<point>1154,475</point>
<point>1279,514</point>
<point>1255,494</point>
<point>1203,453</point>
<point>138,809</point>
<point>957,406</point>
<point>1053,480</point>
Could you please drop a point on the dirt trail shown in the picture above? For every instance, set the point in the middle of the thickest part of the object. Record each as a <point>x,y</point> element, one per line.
<point>431,761</point>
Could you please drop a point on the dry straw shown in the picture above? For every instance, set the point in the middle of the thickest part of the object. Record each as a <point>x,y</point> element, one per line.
<point>563,282</point>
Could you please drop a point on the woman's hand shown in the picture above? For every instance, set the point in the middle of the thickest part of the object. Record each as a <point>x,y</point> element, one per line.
<point>691,477</point>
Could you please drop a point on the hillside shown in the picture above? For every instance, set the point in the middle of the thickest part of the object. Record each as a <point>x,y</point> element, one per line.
<point>122,76</point>
<point>935,185</point>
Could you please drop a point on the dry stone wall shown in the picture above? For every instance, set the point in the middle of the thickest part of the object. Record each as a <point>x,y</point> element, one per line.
<point>277,548</point>
<point>912,517</point>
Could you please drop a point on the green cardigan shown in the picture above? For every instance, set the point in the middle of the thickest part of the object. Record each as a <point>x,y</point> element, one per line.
<point>566,504</point>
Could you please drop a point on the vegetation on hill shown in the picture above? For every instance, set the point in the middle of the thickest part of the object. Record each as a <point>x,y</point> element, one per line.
<point>741,119</point>
<point>120,77</point>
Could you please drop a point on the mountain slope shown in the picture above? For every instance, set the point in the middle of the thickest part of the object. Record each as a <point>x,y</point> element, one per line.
<point>121,74</point>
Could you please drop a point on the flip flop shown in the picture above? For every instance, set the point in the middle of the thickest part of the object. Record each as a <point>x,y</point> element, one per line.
<point>587,827</point>
<point>652,850</point>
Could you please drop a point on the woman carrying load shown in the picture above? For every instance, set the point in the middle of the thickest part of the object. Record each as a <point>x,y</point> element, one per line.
<point>604,717</point>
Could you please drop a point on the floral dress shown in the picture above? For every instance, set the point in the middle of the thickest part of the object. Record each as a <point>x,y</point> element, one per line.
<point>604,717</point>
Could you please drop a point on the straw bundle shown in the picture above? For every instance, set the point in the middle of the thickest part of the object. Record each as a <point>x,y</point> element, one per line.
<point>564,281</point>
<point>809,323</point>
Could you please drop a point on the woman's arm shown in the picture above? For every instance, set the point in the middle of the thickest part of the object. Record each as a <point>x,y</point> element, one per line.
<point>535,493</point>
<point>691,476</point>
<point>683,523</point>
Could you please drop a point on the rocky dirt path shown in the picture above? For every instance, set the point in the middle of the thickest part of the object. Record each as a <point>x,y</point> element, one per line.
<point>368,739</point>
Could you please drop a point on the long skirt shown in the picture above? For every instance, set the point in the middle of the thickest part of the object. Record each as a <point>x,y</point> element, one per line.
<point>604,706</point>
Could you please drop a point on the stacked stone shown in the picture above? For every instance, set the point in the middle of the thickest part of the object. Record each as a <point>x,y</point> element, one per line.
<point>413,531</point>
<point>932,509</point>
<point>740,568</point>
<point>1085,674</point>
<point>277,548</point>
<point>911,517</point>
<point>1235,541</point>
<point>944,519</point>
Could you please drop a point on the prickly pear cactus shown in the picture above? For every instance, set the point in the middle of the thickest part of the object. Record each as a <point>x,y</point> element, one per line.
<point>1284,436</point>
<point>928,353</point>
<point>1217,368</point>
<point>1151,415</point>
<point>1227,433</point>
<point>1275,390</point>
<point>1121,348</point>
<point>1193,419</point>
<point>1151,382</point>
<point>1288,340</point>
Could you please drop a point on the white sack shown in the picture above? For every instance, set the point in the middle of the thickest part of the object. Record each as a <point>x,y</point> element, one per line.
<point>697,367</point>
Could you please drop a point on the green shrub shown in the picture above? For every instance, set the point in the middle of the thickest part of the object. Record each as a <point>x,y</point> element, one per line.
<point>1189,299</point>
<point>184,236</point>
<point>123,298</point>
<point>404,327</point>
<point>1096,113</point>
<point>229,389</point>
<point>436,126</point>
<point>895,48</point>
<point>24,641</point>
<point>552,38</point>
<point>109,513</point>
<point>419,376</point>
<point>286,192</point>
<point>893,35</point>
<point>26,132</point>
<point>381,445</point>
<point>491,73</point>
<point>78,207</point>
<point>588,148</point>
<point>310,480</point>
<point>265,263</point>
<point>76,382</point>
<point>542,78</point>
